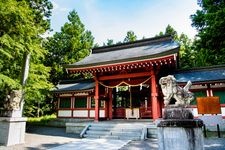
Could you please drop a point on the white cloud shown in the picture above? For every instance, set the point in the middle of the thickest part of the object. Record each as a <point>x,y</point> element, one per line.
<point>57,7</point>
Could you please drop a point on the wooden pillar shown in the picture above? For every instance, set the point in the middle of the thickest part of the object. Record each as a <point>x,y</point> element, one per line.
<point>96,100</point>
<point>156,112</point>
<point>110,103</point>
<point>72,102</point>
<point>107,105</point>
<point>209,91</point>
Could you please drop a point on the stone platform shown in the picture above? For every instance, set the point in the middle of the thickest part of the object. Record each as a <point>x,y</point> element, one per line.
<point>12,130</point>
<point>178,130</point>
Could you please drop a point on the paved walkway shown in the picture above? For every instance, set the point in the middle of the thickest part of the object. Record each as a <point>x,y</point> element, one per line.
<point>93,144</point>
<point>39,138</point>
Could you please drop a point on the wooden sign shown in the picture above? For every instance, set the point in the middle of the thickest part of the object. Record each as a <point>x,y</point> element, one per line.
<point>208,105</point>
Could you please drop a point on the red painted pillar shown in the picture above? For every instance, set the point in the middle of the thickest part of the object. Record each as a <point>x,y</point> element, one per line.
<point>110,104</point>
<point>106,106</point>
<point>96,100</point>
<point>156,113</point>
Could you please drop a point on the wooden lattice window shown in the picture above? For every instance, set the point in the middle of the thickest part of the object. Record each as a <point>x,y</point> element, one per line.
<point>80,102</point>
<point>65,102</point>
<point>221,95</point>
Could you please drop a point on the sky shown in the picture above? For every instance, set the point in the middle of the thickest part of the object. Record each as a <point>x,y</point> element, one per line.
<point>111,19</point>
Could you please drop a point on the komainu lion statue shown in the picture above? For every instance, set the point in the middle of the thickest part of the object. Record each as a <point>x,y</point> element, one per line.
<point>171,90</point>
<point>13,100</point>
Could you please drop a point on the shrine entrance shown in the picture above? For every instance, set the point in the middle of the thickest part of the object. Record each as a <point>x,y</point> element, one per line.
<point>131,102</point>
<point>126,77</point>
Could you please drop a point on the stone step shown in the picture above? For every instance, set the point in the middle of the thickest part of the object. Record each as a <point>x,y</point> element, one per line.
<point>126,131</point>
<point>118,125</point>
<point>94,132</point>
<point>113,137</point>
<point>115,129</point>
<point>98,136</point>
<point>152,132</point>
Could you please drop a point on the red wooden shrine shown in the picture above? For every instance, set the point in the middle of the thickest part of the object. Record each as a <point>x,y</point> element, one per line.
<point>132,70</point>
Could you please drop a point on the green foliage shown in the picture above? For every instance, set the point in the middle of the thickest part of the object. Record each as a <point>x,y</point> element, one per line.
<point>130,37</point>
<point>210,23</point>
<point>186,53</point>
<point>44,120</point>
<point>22,23</point>
<point>169,31</point>
<point>70,45</point>
<point>109,42</point>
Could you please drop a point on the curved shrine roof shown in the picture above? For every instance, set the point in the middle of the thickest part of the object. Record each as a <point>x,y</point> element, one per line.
<point>209,74</point>
<point>126,52</point>
<point>70,86</point>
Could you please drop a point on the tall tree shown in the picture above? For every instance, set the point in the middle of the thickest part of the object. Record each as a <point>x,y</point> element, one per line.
<point>70,45</point>
<point>109,42</point>
<point>169,31</point>
<point>210,23</point>
<point>186,53</point>
<point>19,34</point>
<point>130,37</point>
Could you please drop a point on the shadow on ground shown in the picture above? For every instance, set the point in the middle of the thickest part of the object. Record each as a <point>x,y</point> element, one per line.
<point>50,131</point>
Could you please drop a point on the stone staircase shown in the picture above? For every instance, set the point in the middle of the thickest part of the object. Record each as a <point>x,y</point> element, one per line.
<point>123,131</point>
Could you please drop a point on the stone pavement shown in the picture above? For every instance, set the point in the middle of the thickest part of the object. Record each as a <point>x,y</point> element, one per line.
<point>93,144</point>
<point>39,138</point>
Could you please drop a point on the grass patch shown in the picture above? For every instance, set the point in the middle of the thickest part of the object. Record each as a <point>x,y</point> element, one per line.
<point>43,121</point>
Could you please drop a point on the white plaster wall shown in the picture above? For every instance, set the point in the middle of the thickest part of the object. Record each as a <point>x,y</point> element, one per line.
<point>101,113</point>
<point>80,113</point>
<point>223,111</point>
<point>92,113</point>
<point>195,112</point>
<point>64,113</point>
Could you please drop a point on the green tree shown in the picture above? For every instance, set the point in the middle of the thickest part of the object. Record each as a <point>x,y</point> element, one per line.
<point>169,31</point>
<point>186,53</point>
<point>70,45</point>
<point>109,42</point>
<point>210,23</point>
<point>130,37</point>
<point>19,34</point>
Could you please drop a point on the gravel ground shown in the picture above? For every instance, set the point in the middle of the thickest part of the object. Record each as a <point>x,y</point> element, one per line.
<point>48,137</point>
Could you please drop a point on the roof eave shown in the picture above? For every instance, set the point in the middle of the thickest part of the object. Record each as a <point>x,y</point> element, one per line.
<point>164,54</point>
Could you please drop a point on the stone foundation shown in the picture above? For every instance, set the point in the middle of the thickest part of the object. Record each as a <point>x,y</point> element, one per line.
<point>179,131</point>
<point>12,130</point>
<point>75,127</point>
<point>177,113</point>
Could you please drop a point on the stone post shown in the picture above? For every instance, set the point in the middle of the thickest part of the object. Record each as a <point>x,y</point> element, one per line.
<point>12,124</point>
<point>12,130</point>
<point>178,130</point>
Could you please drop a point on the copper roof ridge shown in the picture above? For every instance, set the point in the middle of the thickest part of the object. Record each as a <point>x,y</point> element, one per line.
<point>209,68</point>
<point>131,44</point>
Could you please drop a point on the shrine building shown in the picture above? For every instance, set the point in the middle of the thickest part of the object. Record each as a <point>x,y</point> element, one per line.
<point>125,81</point>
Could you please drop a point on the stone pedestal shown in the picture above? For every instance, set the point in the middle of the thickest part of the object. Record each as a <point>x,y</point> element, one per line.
<point>12,130</point>
<point>178,131</point>
<point>177,113</point>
